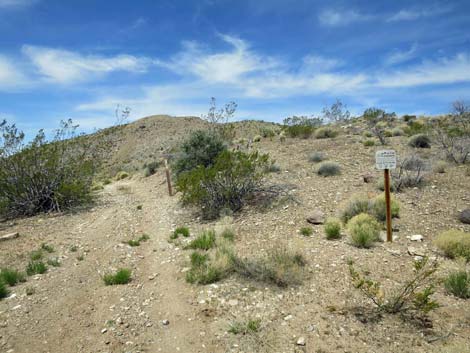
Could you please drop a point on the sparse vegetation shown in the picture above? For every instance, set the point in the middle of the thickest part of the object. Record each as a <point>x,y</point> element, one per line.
<point>419,141</point>
<point>379,210</point>
<point>332,228</point>
<point>410,173</point>
<point>228,234</point>
<point>151,168</point>
<point>48,248</point>
<point>364,230</point>
<point>136,242</point>
<point>244,328</point>
<point>378,121</point>
<point>36,267</point>
<point>327,169</point>
<point>454,243</point>
<point>440,167</point>
<point>122,276</point>
<point>325,132</point>
<point>205,241</point>
<point>4,292</point>
<point>368,142</point>
<point>183,231</point>
<point>11,276</point>
<point>121,175</point>
<point>457,283</point>
<point>356,205</point>
<point>36,255</point>
<point>317,157</point>
<point>301,126</point>
<point>306,231</point>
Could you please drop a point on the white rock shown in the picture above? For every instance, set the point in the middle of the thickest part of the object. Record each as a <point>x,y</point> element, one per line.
<point>416,237</point>
<point>301,341</point>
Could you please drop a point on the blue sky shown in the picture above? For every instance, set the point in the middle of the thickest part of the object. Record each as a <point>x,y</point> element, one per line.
<point>80,58</point>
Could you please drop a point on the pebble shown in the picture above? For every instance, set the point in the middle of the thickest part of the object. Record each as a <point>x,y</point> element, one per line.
<point>301,341</point>
<point>165,322</point>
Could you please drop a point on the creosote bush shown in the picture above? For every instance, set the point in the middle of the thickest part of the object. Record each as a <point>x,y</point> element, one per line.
<point>122,276</point>
<point>457,283</point>
<point>414,296</point>
<point>327,169</point>
<point>420,141</point>
<point>364,230</point>
<point>227,184</point>
<point>11,277</point>
<point>42,175</point>
<point>332,228</point>
<point>454,243</point>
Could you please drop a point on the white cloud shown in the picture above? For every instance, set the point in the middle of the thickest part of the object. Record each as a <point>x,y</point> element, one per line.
<point>16,3</point>
<point>415,13</point>
<point>336,18</point>
<point>63,66</point>
<point>397,56</point>
<point>442,71</point>
<point>11,78</point>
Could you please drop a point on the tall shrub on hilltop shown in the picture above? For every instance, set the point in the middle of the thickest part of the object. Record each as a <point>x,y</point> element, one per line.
<point>378,121</point>
<point>219,119</point>
<point>301,126</point>
<point>43,175</point>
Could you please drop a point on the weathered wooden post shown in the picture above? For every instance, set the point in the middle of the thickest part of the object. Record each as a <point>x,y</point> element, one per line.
<point>168,178</point>
<point>386,160</point>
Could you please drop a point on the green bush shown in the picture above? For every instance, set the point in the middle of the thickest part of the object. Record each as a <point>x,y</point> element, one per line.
<point>458,283</point>
<point>205,241</point>
<point>317,157</point>
<point>44,176</point>
<point>3,290</point>
<point>201,149</point>
<point>356,205</point>
<point>368,142</point>
<point>327,169</point>
<point>183,231</point>
<point>364,230</point>
<point>301,126</point>
<point>420,141</point>
<point>306,231</point>
<point>36,267</point>
<point>251,326</point>
<point>454,244</point>
<point>266,132</point>
<point>325,132</point>
<point>397,132</point>
<point>48,248</point>
<point>379,209</point>
<point>36,255</point>
<point>122,276</point>
<point>11,277</point>
<point>227,184</point>
<point>332,228</point>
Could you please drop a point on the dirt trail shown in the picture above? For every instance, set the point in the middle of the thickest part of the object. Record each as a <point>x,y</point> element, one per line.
<point>72,310</point>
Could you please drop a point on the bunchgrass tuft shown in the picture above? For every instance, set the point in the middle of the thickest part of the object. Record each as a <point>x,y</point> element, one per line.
<point>250,326</point>
<point>306,231</point>
<point>454,243</point>
<point>122,276</point>
<point>11,276</point>
<point>332,228</point>
<point>3,290</point>
<point>228,234</point>
<point>458,284</point>
<point>364,230</point>
<point>36,267</point>
<point>136,242</point>
<point>205,241</point>
<point>36,255</point>
<point>47,248</point>
<point>317,157</point>
<point>183,231</point>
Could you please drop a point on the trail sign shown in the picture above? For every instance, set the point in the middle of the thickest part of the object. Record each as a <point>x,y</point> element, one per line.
<point>385,159</point>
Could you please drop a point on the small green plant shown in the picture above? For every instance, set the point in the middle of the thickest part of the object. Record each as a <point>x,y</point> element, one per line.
<point>364,230</point>
<point>454,244</point>
<point>419,141</point>
<point>306,231</point>
<point>257,138</point>
<point>413,296</point>
<point>379,209</point>
<point>368,142</point>
<point>381,185</point>
<point>11,277</point>
<point>53,261</point>
<point>183,231</point>
<point>356,205</point>
<point>136,242</point>
<point>250,326</point>
<point>107,181</point>
<point>73,248</point>
<point>47,248</point>
<point>80,257</point>
<point>3,290</point>
<point>327,169</point>
<point>205,241</point>
<point>325,132</point>
<point>458,284</point>
<point>206,269</point>
<point>228,234</point>
<point>36,267</point>
<point>332,228</point>
<point>36,255</point>
<point>121,175</point>
<point>122,276</point>
<point>139,207</point>
<point>316,157</point>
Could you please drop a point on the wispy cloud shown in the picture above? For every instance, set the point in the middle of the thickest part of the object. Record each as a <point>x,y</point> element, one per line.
<point>11,78</point>
<point>12,4</point>
<point>336,18</point>
<point>65,67</point>
<point>399,56</point>
<point>417,13</point>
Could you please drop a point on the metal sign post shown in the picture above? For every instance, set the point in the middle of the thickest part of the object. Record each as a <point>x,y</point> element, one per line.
<point>386,160</point>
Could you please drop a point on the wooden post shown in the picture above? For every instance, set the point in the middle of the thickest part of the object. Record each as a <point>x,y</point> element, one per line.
<point>168,179</point>
<point>387,204</point>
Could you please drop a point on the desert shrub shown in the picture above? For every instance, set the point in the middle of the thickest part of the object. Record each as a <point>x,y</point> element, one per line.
<point>150,168</point>
<point>327,169</point>
<point>410,172</point>
<point>414,295</point>
<point>97,187</point>
<point>368,142</point>
<point>367,134</point>
<point>201,149</point>
<point>136,242</point>
<point>306,231</point>
<point>325,132</point>
<point>415,127</point>
<point>379,210</point>
<point>454,243</point>
<point>408,118</point>
<point>440,167</point>
<point>233,178</point>
<point>11,277</point>
<point>381,185</point>
<point>183,231</point>
<point>388,133</point>
<point>332,228</point>
<point>54,262</point>
<point>122,276</point>
<point>397,132</point>
<point>205,241</point>
<point>3,290</point>
<point>420,141</point>
<point>378,121</point>
<point>121,175</point>
<point>301,126</point>
<point>364,230</point>
<point>244,328</point>
<point>219,119</point>
<point>48,248</point>
<point>316,157</point>
<point>356,205</point>
<point>280,267</point>
<point>107,181</point>
<point>337,112</point>
<point>36,267</point>
<point>257,138</point>
<point>45,175</point>
<point>266,132</point>
<point>458,284</point>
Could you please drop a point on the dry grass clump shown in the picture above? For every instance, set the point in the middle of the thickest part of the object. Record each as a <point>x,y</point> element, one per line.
<point>122,276</point>
<point>332,228</point>
<point>364,230</point>
<point>327,169</point>
<point>374,207</point>
<point>457,283</point>
<point>325,132</point>
<point>454,243</point>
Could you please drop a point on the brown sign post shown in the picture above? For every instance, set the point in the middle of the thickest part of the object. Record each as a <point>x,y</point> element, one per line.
<point>168,178</point>
<point>386,160</point>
